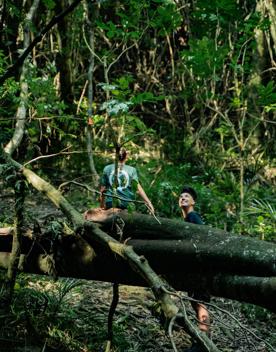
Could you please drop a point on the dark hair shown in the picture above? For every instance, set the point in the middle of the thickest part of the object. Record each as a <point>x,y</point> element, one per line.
<point>190,190</point>
<point>122,154</point>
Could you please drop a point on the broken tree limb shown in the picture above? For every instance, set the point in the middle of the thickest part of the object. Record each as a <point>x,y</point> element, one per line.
<point>138,263</point>
<point>92,233</point>
<point>206,344</point>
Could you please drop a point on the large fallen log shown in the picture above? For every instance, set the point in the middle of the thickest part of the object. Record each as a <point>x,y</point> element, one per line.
<point>175,260</point>
<point>184,245</point>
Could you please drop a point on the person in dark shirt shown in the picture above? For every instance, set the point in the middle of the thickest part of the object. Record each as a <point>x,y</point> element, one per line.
<point>186,202</point>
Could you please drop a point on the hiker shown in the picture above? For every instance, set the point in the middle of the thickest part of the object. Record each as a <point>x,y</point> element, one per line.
<point>128,182</point>
<point>186,202</point>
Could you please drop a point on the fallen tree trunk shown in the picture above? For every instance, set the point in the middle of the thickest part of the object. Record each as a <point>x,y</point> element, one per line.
<point>185,245</point>
<point>75,258</point>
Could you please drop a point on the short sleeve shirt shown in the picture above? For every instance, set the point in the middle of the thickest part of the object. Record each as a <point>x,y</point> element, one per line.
<point>194,218</point>
<point>127,175</point>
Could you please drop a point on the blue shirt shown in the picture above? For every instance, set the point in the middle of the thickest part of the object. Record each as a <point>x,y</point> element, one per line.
<point>127,175</point>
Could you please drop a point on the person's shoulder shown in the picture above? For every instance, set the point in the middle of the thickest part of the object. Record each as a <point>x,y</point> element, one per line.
<point>108,167</point>
<point>130,168</point>
<point>194,218</point>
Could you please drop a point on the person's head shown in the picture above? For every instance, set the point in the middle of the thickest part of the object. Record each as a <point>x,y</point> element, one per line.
<point>122,155</point>
<point>187,198</point>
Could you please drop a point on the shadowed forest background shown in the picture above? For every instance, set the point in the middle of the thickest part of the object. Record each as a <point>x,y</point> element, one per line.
<point>187,87</point>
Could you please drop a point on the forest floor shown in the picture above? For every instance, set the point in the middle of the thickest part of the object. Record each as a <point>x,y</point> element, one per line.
<point>78,322</point>
<point>74,317</point>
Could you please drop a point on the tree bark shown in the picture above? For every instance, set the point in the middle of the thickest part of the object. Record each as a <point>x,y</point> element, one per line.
<point>17,237</point>
<point>177,260</point>
<point>200,245</point>
<point>63,61</point>
<point>22,110</point>
<point>91,12</point>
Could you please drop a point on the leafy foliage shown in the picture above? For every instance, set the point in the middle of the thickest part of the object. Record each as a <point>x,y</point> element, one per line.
<point>267,96</point>
<point>265,215</point>
<point>204,58</point>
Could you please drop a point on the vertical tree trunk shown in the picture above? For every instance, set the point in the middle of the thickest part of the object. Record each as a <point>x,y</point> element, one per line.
<point>64,63</point>
<point>17,237</point>
<point>271,9</point>
<point>9,149</point>
<point>9,38</point>
<point>21,110</point>
<point>91,14</point>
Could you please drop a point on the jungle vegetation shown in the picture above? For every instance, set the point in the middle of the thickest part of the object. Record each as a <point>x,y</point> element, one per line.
<point>188,87</point>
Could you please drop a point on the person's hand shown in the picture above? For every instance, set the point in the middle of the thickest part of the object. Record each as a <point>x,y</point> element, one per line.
<point>101,200</point>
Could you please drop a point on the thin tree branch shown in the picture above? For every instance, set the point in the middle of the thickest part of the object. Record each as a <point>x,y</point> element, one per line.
<point>11,71</point>
<point>52,155</point>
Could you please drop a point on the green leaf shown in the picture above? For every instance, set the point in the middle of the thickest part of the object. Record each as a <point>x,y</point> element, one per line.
<point>146,97</point>
<point>115,107</point>
<point>50,4</point>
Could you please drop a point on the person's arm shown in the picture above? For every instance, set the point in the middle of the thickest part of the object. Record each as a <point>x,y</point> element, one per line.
<point>103,187</point>
<point>145,198</point>
<point>102,197</point>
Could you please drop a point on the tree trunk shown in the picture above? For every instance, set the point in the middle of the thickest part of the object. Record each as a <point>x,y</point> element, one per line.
<point>218,250</point>
<point>188,256</point>
<point>91,11</point>
<point>64,62</point>
<point>22,108</point>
